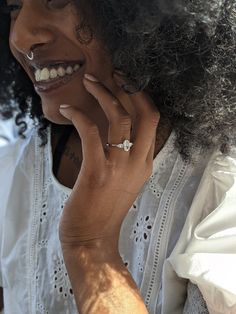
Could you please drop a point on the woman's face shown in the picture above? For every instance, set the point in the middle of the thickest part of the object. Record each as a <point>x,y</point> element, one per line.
<point>48,29</point>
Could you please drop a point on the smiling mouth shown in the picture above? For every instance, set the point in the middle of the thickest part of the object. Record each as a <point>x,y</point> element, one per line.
<point>53,76</point>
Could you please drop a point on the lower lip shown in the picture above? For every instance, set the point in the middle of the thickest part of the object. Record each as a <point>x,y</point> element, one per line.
<point>43,87</point>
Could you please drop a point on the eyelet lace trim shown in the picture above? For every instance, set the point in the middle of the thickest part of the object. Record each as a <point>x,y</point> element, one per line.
<point>142,229</point>
<point>61,280</point>
<point>159,252</point>
<point>59,286</point>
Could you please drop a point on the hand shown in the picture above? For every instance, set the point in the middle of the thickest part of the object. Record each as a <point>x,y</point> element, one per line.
<point>110,179</point>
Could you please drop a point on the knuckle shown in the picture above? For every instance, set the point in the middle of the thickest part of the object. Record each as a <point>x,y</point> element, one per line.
<point>154,118</point>
<point>122,120</point>
<point>125,121</point>
<point>92,129</point>
<point>115,102</point>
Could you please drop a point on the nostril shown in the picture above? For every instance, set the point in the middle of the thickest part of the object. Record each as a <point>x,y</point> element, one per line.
<point>36,46</point>
<point>33,49</point>
<point>27,37</point>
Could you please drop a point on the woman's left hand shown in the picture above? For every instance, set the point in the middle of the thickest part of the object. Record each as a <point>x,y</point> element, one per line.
<point>110,178</point>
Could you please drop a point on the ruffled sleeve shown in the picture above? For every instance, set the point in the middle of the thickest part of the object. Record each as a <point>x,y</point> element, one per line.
<point>206,251</point>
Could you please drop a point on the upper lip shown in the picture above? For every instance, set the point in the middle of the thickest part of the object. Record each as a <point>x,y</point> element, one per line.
<point>50,63</point>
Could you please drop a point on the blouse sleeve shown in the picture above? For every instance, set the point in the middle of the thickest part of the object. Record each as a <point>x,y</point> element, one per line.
<point>6,176</point>
<point>206,251</point>
<point>9,157</point>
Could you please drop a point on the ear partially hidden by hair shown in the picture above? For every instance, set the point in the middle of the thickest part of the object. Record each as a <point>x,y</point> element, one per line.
<point>84,33</point>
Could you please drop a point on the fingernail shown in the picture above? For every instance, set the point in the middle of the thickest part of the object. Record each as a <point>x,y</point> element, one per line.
<point>64,106</point>
<point>91,78</point>
<point>65,113</point>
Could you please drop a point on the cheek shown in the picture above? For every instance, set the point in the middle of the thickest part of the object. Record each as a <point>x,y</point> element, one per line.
<point>74,94</point>
<point>11,46</point>
<point>12,40</point>
<point>98,60</point>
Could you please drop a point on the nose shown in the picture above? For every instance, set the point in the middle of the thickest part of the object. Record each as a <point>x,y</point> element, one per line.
<point>31,30</point>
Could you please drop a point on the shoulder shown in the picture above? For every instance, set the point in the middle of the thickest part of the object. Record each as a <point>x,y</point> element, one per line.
<point>218,185</point>
<point>222,164</point>
<point>11,154</point>
<point>206,250</point>
<point>215,195</point>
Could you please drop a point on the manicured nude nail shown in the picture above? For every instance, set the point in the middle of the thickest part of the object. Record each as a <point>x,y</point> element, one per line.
<point>64,106</point>
<point>91,78</point>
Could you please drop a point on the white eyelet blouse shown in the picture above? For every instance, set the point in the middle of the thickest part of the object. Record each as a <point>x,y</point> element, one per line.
<point>178,239</point>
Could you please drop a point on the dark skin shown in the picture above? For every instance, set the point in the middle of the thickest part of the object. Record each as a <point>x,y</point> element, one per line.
<point>71,158</point>
<point>105,181</point>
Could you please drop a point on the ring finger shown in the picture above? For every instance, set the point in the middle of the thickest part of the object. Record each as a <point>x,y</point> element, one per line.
<point>118,118</point>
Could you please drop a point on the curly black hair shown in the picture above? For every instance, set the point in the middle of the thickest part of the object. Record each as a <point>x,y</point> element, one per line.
<point>182,52</point>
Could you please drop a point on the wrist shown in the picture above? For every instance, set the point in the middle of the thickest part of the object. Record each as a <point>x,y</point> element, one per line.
<point>94,252</point>
<point>100,279</point>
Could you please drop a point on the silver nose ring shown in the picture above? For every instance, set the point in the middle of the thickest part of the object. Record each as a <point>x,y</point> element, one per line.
<point>30,55</point>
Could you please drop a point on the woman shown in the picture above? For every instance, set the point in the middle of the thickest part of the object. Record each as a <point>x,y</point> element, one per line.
<point>102,206</point>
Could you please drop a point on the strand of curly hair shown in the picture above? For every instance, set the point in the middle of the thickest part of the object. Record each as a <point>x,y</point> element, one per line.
<point>181,52</point>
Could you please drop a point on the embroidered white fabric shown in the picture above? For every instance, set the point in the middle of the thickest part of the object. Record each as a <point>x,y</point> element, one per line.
<point>34,276</point>
<point>205,252</point>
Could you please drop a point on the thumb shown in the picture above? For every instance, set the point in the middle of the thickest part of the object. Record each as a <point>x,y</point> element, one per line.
<point>88,132</point>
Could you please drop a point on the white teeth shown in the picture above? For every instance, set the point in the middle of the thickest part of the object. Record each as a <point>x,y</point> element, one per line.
<point>46,74</point>
<point>76,67</point>
<point>53,73</point>
<point>69,70</point>
<point>61,72</point>
<point>37,75</point>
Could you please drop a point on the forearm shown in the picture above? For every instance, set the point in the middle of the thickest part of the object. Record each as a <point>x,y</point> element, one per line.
<point>102,284</point>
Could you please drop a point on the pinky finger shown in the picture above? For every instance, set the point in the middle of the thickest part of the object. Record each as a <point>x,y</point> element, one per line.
<point>92,148</point>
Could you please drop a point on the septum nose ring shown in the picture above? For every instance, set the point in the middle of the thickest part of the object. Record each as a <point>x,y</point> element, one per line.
<point>30,55</point>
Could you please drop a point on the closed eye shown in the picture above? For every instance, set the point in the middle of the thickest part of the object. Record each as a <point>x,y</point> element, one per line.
<point>58,4</point>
